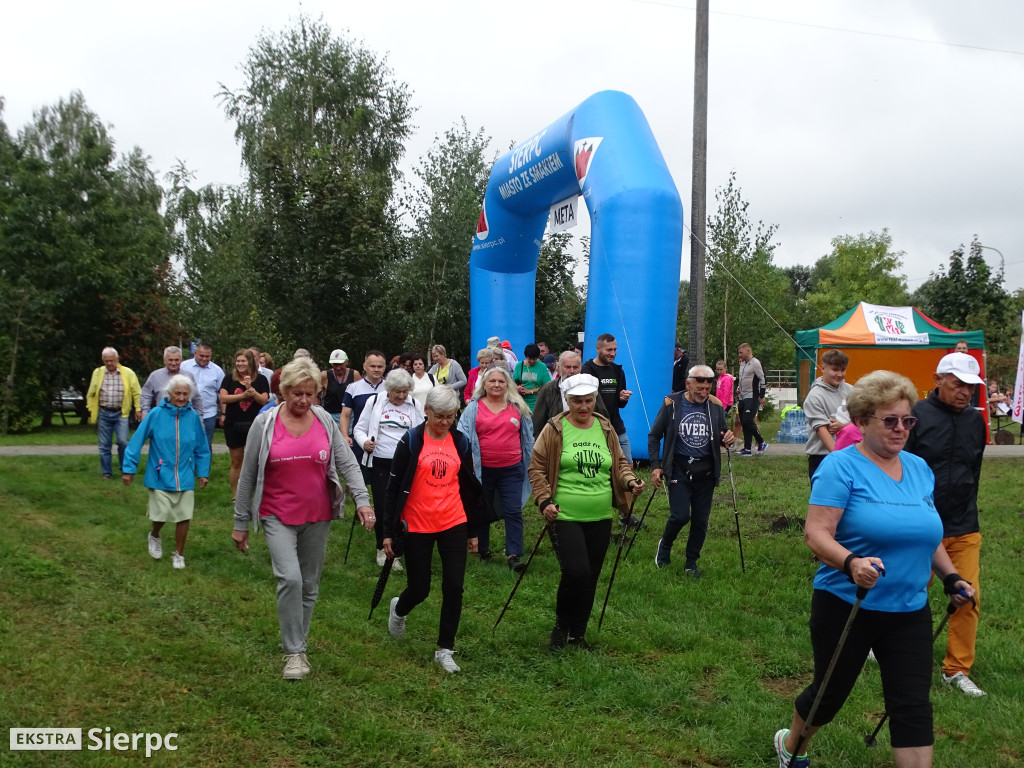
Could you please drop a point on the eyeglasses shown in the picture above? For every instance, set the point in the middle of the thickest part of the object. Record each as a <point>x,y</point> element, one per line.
<point>891,422</point>
<point>703,379</point>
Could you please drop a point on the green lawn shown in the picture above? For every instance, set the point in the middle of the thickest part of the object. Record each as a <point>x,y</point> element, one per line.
<point>72,433</point>
<point>95,634</point>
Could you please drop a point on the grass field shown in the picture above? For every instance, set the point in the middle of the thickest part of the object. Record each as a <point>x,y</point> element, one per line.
<point>95,634</point>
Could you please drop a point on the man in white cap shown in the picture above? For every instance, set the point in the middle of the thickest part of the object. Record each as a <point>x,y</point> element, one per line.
<point>950,436</point>
<point>334,382</point>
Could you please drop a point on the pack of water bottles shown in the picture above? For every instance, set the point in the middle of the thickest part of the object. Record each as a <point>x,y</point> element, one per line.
<point>794,427</point>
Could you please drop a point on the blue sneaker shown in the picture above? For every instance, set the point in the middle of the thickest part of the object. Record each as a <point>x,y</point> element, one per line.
<point>661,556</point>
<point>744,452</point>
<point>762,448</point>
<point>786,760</point>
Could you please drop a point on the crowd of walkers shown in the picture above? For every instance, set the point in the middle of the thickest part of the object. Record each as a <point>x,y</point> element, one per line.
<point>433,456</point>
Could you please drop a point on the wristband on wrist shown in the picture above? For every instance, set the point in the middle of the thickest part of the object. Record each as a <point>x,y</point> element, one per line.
<point>846,565</point>
<point>949,582</point>
<point>543,505</point>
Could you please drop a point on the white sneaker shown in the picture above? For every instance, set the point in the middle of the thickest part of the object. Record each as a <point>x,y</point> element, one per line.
<point>785,759</point>
<point>306,669</point>
<point>178,561</point>
<point>871,656</point>
<point>294,667</point>
<point>156,547</point>
<point>963,682</point>
<point>381,558</point>
<point>396,623</point>
<point>444,658</point>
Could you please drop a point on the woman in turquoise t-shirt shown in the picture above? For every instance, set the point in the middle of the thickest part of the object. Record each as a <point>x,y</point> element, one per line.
<point>871,512</point>
<point>579,475</point>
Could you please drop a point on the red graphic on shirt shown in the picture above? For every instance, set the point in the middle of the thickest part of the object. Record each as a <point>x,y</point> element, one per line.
<point>243,404</point>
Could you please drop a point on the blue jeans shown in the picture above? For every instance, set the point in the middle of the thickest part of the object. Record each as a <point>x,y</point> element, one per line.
<point>111,424</point>
<point>504,487</point>
<point>624,445</point>
<point>210,425</point>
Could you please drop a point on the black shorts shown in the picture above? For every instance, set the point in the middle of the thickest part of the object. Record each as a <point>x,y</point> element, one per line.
<point>236,433</point>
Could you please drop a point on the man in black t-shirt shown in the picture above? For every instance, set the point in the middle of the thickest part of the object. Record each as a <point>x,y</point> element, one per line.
<point>612,389</point>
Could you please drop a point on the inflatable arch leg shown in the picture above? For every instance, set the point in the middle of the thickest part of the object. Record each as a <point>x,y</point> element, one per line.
<point>605,150</point>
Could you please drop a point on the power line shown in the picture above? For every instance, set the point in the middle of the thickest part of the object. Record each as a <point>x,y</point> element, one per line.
<point>903,38</point>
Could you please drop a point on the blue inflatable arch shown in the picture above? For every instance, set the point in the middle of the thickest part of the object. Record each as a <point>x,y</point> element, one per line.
<point>605,150</point>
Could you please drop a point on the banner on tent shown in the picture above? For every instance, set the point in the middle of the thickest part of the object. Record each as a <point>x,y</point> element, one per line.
<point>892,325</point>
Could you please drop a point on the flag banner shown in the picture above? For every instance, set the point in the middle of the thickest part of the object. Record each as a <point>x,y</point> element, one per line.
<point>1018,387</point>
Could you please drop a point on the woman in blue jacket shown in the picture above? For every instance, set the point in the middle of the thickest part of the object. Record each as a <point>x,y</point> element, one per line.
<point>178,454</point>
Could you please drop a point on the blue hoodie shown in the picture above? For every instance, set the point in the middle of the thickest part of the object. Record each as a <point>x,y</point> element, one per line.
<point>178,451</point>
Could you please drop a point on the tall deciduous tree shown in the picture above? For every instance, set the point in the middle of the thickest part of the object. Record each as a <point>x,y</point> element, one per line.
<point>859,268</point>
<point>213,239</point>
<point>431,298</point>
<point>968,295</point>
<point>746,293</point>
<point>84,247</point>
<point>321,123</point>
<point>967,287</point>
<point>560,305</point>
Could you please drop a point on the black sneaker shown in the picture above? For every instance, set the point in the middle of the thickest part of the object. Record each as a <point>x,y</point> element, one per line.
<point>559,637</point>
<point>692,570</point>
<point>515,564</point>
<point>630,522</point>
<point>580,643</point>
<point>661,556</point>
<point>485,556</point>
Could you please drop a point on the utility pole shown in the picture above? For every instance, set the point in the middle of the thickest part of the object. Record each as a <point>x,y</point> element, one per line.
<point>698,186</point>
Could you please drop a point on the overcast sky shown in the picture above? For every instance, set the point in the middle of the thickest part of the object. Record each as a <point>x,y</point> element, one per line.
<point>838,117</point>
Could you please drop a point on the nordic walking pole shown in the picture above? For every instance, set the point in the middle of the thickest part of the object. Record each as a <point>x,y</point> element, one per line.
<point>508,602</point>
<point>616,566</point>
<point>640,525</point>
<point>862,592</point>
<point>735,511</point>
<point>870,739</point>
<point>350,532</point>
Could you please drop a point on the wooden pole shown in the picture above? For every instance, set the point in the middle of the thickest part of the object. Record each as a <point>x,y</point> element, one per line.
<point>698,201</point>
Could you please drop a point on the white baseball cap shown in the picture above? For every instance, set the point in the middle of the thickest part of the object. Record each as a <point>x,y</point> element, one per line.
<point>338,356</point>
<point>964,367</point>
<point>580,384</point>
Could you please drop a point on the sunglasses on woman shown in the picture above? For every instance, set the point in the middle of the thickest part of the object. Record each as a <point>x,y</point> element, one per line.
<point>891,422</point>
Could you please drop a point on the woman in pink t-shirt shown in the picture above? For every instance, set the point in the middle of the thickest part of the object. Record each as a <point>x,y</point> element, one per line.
<point>434,491</point>
<point>289,486</point>
<point>500,431</point>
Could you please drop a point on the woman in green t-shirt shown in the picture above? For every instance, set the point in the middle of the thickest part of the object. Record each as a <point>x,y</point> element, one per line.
<point>579,475</point>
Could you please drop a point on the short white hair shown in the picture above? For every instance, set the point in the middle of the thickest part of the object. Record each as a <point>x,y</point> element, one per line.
<point>109,351</point>
<point>171,351</point>
<point>700,370</point>
<point>398,379</point>
<point>180,380</point>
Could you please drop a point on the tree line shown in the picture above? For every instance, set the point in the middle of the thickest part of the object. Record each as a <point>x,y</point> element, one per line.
<point>750,298</point>
<point>325,244</point>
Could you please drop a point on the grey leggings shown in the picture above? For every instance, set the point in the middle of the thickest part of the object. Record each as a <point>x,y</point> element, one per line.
<point>297,554</point>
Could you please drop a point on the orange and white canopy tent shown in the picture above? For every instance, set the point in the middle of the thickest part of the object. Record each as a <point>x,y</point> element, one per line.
<point>900,339</point>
